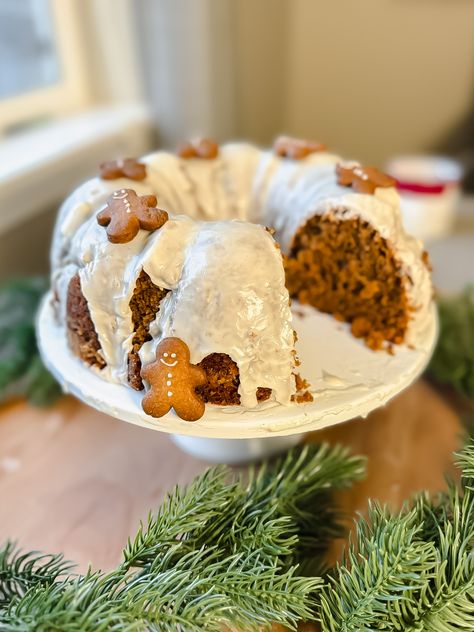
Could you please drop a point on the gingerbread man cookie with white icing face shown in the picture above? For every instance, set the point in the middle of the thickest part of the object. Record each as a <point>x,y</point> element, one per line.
<point>126,213</point>
<point>173,381</point>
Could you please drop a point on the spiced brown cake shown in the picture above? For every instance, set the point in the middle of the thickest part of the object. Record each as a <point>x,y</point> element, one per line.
<point>208,273</point>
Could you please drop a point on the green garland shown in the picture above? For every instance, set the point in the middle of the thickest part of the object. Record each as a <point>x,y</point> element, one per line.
<point>21,371</point>
<point>411,571</point>
<point>227,550</point>
<point>224,550</point>
<point>453,360</point>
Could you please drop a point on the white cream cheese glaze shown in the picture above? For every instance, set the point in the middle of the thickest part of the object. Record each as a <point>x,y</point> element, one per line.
<point>228,296</point>
<point>226,279</point>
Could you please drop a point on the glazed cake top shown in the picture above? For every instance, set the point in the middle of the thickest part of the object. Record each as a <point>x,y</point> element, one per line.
<point>227,279</point>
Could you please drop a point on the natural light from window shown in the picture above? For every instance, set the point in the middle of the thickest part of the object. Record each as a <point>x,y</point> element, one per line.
<point>28,56</point>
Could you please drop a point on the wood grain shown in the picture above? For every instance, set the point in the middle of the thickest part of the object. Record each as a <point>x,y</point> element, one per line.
<point>75,480</point>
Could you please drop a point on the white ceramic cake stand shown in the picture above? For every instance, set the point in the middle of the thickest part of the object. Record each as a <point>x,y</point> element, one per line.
<point>347,379</point>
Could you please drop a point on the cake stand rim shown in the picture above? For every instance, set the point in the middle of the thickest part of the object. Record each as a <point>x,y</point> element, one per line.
<point>305,420</point>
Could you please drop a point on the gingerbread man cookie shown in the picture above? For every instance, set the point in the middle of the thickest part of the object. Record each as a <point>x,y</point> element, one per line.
<point>296,148</point>
<point>202,148</point>
<point>126,213</point>
<point>363,179</point>
<point>173,381</point>
<point>126,168</point>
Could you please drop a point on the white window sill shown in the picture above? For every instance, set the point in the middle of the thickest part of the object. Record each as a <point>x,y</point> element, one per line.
<point>40,167</point>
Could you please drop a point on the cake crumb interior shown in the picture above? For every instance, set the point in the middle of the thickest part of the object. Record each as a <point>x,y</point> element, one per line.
<point>144,306</point>
<point>82,336</point>
<point>223,381</point>
<point>344,267</point>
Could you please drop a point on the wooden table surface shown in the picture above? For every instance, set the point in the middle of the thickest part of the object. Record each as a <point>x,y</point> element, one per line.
<point>77,481</point>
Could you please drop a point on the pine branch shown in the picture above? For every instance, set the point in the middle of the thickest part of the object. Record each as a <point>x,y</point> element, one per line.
<point>450,605</point>
<point>21,571</point>
<point>218,552</point>
<point>308,500</point>
<point>85,603</point>
<point>249,590</point>
<point>465,460</point>
<point>385,563</point>
<point>21,370</point>
<point>453,359</point>
<point>299,519</point>
<point>196,593</point>
<point>412,571</point>
<point>181,514</point>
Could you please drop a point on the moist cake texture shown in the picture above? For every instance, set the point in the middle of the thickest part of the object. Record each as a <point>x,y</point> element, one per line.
<point>144,306</point>
<point>81,332</point>
<point>345,268</point>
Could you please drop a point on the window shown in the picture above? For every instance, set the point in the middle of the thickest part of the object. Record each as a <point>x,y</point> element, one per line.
<point>27,47</point>
<point>70,96</point>
<point>41,66</point>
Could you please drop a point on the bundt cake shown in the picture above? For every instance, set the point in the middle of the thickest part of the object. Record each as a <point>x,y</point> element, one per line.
<point>237,233</point>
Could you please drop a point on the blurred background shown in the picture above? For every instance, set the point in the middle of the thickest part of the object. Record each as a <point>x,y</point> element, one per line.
<point>82,81</point>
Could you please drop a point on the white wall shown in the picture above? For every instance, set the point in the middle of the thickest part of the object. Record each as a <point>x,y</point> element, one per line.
<point>370,77</point>
<point>378,77</point>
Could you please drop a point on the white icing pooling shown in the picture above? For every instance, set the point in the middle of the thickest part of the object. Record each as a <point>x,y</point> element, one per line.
<point>75,218</point>
<point>171,185</point>
<point>109,275</point>
<point>204,177</point>
<point>239,305</point>
<point>164,255</point>
<point>241,161</point>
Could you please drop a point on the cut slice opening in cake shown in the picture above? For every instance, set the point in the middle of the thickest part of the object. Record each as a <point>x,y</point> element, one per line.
<point>223,381</point>
<point>344,267</point>
<point>81,332</point>
<point>144,306</point>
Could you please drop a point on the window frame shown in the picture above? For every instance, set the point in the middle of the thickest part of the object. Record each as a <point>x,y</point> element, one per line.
<point>71,92</point>
<point>43,147</point>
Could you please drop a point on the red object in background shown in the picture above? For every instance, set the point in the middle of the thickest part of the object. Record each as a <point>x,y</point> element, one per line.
<point>417,187</point>
<point>425,174</point>
<point>429,193</point>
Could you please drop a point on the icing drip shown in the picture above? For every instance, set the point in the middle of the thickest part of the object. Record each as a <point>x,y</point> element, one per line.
<point>108,278</point>
<point>230,298</point>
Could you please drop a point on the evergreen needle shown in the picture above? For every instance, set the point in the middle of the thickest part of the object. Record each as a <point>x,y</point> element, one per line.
<point>222,551</point>
<point>453,360</point>
<point>21,371</point>
<point>410,571</point>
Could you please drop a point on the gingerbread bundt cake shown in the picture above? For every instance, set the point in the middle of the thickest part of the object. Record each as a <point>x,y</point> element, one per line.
<point>242,231</point>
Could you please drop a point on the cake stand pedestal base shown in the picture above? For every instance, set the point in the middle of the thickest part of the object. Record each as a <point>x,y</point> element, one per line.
<point>235,451</point>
